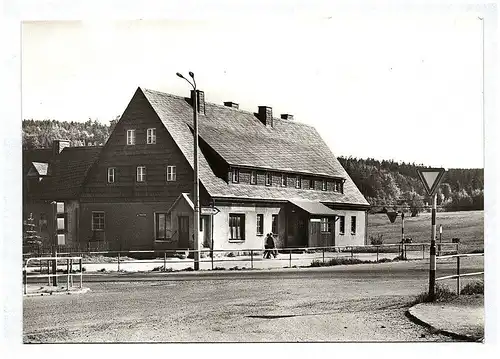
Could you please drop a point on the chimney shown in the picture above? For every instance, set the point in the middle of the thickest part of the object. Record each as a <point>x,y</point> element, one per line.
<point>58,146</point>
<point>286,116</point>
<point>201,100</point>
<point>231,104</point>
<point>266,115</point>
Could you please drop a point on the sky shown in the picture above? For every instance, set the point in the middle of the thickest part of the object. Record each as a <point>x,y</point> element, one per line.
<point>406,87</point>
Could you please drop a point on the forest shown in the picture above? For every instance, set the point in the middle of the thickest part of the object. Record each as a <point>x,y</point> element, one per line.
<point>386,184</point>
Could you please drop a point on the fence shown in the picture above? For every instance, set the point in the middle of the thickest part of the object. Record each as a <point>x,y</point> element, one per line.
<point>253,257</point>
<point>53,262</point>
<point>459,275</point>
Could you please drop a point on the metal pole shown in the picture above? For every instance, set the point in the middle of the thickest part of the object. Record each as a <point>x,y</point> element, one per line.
<point>432,267</point>
<point>323,255</point>
<point>212,260</point>
<point>440,233</point>
<point>196,184</point>
<point>165,261</point>
<point>290,260</point>
<point>81,273</point>
<point>118,261</point>
<point>68,274</point>
<point>54,243</point>
<point>251,258</point>
<point>423,251</point>
<point>377,254</point>
<point>458,275</point>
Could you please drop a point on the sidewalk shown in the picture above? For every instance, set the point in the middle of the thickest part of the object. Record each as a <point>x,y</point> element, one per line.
<point>41,290</point>
<point>462,318</point>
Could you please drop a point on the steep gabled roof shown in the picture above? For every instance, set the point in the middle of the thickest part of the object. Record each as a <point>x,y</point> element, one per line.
<point>67,173</point>
<point>241,139</point>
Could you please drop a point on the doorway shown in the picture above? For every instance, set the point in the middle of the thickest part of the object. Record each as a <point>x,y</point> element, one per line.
<point>183,222</point>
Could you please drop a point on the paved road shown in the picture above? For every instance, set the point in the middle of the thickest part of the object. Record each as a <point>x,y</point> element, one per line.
<point>345,303</point>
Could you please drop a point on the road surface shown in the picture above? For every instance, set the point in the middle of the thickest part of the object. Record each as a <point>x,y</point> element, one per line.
<point>364,302</point>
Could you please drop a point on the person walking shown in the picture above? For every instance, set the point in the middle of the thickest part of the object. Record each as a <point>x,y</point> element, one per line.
<point>270,247</point>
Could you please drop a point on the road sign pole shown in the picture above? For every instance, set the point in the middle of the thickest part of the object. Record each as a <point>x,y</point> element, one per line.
<point>432,269</point>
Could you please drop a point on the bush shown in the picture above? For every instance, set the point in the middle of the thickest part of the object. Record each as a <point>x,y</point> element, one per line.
<point>442,294</point>
<point>473,288</point>
<point>377,240</point>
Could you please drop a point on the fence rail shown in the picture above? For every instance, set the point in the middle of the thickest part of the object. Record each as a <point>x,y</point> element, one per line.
<point>251,256</point>
<point>53,261</point>
<point>459,275</point>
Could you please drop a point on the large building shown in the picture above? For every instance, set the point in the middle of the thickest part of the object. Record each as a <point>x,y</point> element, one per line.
<point>262,174</point>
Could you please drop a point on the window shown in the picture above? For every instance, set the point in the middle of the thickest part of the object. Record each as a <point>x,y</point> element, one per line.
<point>269,178</point>
<point>311,184</point>
<point>341,224</point>
<point>283,180</point>
<point>98,221</point>
<point>336,186</point>
<point>151,136</point>
<point>130,137</point>
<point>141,173</point>
<point>171,173</point>
<point>325,224</point>
<point>237,226</point>
<point>163,226</point>
<point>111,175</point>
<point>323,185</point>
<point>235,174</point>
<point>274,225</point>
<point>297,182</point>
<point>353,225</point>
<point>260,224</point>
<point>253,177</point>
<point>341,187</point>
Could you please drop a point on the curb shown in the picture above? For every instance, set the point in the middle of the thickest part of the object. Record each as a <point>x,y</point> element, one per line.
<point>48,294</point>
<point>435,330</point>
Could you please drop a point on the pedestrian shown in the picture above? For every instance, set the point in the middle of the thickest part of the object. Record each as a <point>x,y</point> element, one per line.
<point>270,247</point>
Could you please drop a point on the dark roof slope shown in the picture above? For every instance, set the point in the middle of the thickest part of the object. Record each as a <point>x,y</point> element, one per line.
<point>67,173</point>
<point>241,139</point>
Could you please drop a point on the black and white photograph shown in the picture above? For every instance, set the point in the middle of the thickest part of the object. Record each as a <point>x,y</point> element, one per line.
<point>301,174</point>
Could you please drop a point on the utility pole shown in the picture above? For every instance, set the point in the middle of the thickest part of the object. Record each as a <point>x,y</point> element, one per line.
<point>432,269</point>
<point>196,192</point>
<point>54,243</point>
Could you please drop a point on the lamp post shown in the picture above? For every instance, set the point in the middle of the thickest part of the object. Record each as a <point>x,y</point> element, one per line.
<point>54,242</point>
<point>196,193</point>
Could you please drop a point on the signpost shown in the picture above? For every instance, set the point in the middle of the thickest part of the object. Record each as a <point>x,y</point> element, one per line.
<point>431,177</point>
<point>209,211</point>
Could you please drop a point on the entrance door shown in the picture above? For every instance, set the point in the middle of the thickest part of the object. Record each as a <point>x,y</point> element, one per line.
<point>183,231</point>
<point>315,233</point>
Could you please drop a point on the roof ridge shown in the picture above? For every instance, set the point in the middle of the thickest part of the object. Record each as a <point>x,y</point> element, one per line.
<point>227,107</point>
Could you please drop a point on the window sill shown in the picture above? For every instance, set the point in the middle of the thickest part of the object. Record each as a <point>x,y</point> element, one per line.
<point>260,234</point>
<point>236,240</point>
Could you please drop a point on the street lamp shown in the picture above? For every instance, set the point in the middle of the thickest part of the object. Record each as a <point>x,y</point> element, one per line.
<point>196,175</point>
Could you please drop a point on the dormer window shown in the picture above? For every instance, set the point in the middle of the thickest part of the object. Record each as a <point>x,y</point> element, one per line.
<point>130,137</point>
<point>297,182</point>
<point>151,136</point>
<point>235,175</point>
<point>323,185</point>
<point>283,180</point>
<point>253,177</point>
<point>269,178</point>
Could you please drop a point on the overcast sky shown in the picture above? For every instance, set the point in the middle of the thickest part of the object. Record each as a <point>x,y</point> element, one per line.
<point>405,87</point>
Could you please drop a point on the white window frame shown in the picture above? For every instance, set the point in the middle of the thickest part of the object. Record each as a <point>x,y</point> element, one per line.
<point>151,136</point>
<point>298,182</point>
<point>312,182</point>
<point>283,180</point>
<point>353,222</point>
<point>171,174</point>
<point>269,176</point>
<point>274,220</point>
<point>341,225</point>
<point>167,230</point>
<point>233,234</point>
<point>325,225</point>
<point>111,174</point>
<point>102,225</point>
<point>131,137</point>
<point>324,185</point>
<point>253,177</point>
<point>235,175</point>
<point>140,172</point>
<point>260,223</point>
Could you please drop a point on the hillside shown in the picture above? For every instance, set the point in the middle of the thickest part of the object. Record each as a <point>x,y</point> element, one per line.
<point>388,183</point>
<point>383,183</point>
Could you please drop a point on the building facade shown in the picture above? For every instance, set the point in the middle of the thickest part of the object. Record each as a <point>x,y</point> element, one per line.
<point>258,173</point>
